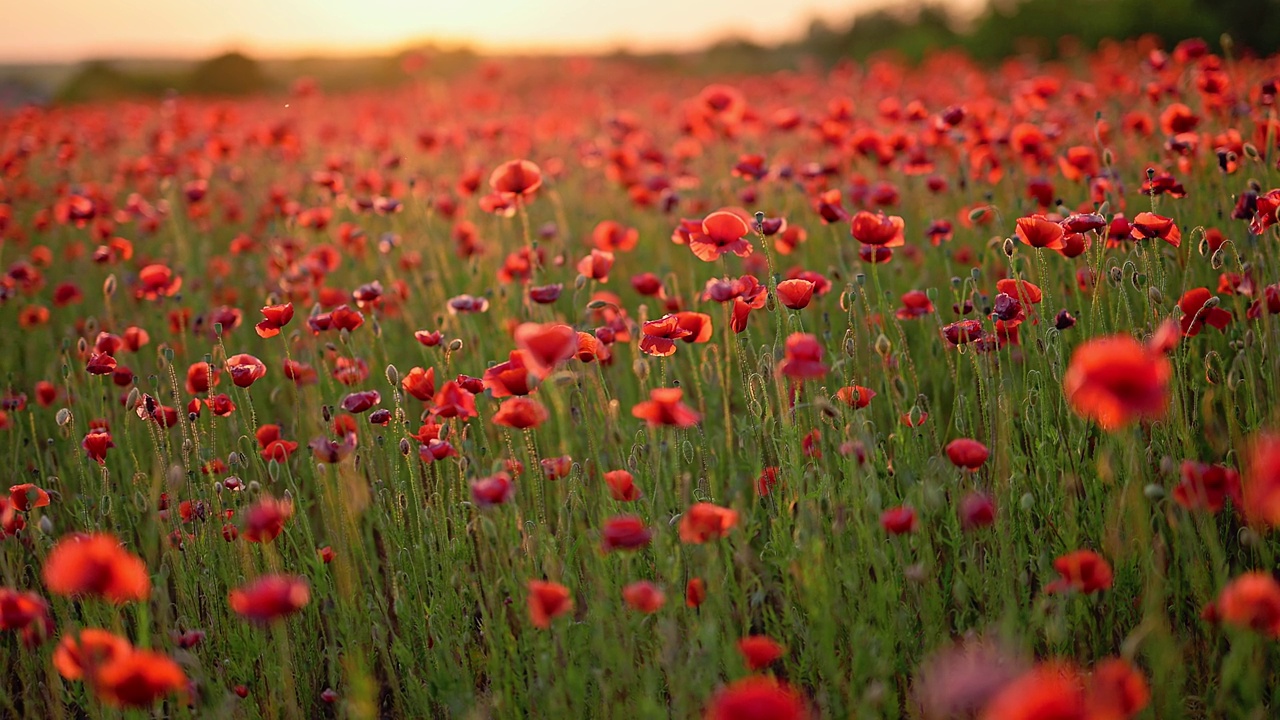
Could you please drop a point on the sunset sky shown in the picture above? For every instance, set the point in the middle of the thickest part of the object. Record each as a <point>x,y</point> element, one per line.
<point>61,30</point>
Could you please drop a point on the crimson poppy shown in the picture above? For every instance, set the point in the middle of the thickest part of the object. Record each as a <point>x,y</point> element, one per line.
<point>1116,380</point>
<point>664,407</point>
<point>270,597</point>
<point>547,601</point>
<point>644,596</point>
<point>1083,570</point>
<point>756,696</point>
<point>705,521</point>
<point>721,232</point>
<point>492,490</point>
<point>521,413</point>
<point>96,564</point>
<point>622,486</point>
<point>1252,601</point>
<point>759,651</point>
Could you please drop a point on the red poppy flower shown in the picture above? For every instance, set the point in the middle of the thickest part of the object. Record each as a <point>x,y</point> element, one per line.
<point>1082,570</point>
<point>1040,232</point>
<point>596,265</point>
<point>1197,311</point>
<point>554,468</point>
<point>665,408</point>
<point>429,339</point>
<point>1048,691</point>
<point>659,335</point>
<point>516,178</point>
<point>358,402</point>
<point>915,304</point>
<point>855,396</point>
<point>137,679</point>
<point>546,294</point>
<point>612,236</point>
<point>492,490</point>
<point>625,532</point>
<point>962,332</point>
<point>695,592</point>
<point>1116,691</point>
<point>547,601</point>
<point>1262,488</point>
<point>1205,486</point>
<point>1116,380</point>
<point>100,364</point>
<point>705,521</point>
<point>698,326</point>
<point>508,378</point>
<point>26,612</point>
<point>796,294</point>
<point>520,413</point>
<point>95,564</point>
<point>644,596</point>
<point>899,520</point>
<point>270,597</point>
<point>759,651</point>
<point>976,511</point>
<point>330,451</point>
<point>245,369</point>
<point>274,317</point>
<point>95,444</point>
<point>79,656</point>
<point>265,520</point>
<point>156,281</point>
<point>26,496</point>
<point>453,401</point>
<point>721,232</point>
<point>622,486</point>
<point>545,346</point>
<point>1149,226</point>
<point>419,383</point>
<point>966,453</point>
<point>877,229</point>
<point>1252,601</point>
<point>756,697</point>
<point>803,358</point>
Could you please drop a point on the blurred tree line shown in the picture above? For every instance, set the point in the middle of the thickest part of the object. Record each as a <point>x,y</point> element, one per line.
<point>1009,27</point>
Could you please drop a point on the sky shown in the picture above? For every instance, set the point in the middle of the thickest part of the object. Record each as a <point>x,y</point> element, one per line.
<point>70,30</point>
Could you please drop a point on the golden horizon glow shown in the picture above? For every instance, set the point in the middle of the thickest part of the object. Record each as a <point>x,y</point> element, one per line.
<point>70,30</point>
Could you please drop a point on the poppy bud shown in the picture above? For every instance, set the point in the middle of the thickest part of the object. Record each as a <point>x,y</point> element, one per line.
<point>770,303</point>
<point>1156,296</point>
<point>977,213</point>
<point>1252,151</point>
<point>1116,276</point>
<point>109,286</point>
<point>455,345</point>
<point>1108,157</point>
<point>45,525</point>
<point>405,448</point>
<point>580,282</point>
<point>1027,502</point>
<point>883,346</point>
<point>1008,247</point>
<point>393,375</point>
<point>64,416</point>
<point>641,368</point>
<point>1217,259</point>
<point>1153,492</point>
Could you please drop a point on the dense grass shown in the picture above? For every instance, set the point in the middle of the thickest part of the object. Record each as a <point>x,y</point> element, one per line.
<point>423,611</point>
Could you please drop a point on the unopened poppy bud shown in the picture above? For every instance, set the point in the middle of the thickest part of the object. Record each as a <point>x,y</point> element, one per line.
<point>1251,151</point>
<point>273,470</point>
<point>109,286</point>
<point>235,459</point>
<point>580,282</point>
<point>393,375</point>
<point>326,412</point>
<point>1108,157</point>
<point>1156,296</point>
<point>134,395</point>
<point>1212,302</point>
<point>849,347</point>
<point>883,346</point>
<point>597,304</point>
<point>861,279</point>
<point>1249,537</point>
<point>82,346</point>
<point>1218,259</point>
<point>45,525</point>
<point>640,368</point>
<point>1008,247</point>
<point>254,486</point>
<point>405,447</point>
<point>63,417</point>
<point>1027,502</point>
<point>1116,276</point>
<point>1153,492</point>
<point>770,303</point>
<point>977,213</point>
<point>455,345</point>
<point>1139,280</point>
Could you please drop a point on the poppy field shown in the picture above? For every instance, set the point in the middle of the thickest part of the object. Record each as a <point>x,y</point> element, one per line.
<point>573,388</point>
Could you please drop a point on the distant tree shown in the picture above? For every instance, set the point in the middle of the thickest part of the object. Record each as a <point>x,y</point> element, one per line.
<point>229,74</point>
<point>100,80</point>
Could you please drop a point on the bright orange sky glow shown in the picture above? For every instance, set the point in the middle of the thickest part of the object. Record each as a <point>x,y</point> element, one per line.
<point>62,30</point>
